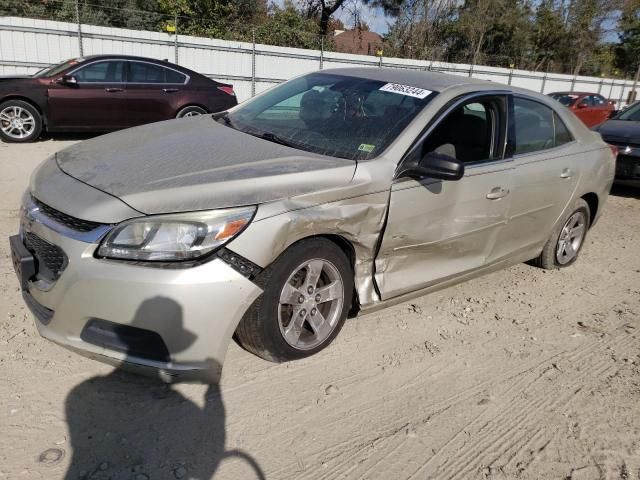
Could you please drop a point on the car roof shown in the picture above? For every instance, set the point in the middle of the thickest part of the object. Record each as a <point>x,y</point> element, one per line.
<point>134,57</point>
<point>580,94</point>
<point>422,79</point>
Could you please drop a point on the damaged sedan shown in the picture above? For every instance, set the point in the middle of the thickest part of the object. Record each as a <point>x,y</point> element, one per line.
<point>334,194</point>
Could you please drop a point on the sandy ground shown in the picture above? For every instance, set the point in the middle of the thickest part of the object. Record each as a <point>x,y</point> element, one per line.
<point>522,374</point>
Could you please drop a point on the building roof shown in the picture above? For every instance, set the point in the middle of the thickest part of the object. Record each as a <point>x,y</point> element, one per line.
<point>357,41</point>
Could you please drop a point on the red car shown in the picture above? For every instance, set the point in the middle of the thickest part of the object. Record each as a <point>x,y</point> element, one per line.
<point>591,108</point>
<point>102,93</point>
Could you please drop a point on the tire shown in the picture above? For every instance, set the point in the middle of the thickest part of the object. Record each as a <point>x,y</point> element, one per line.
<point>551,256</point>
<point>20,122</point>
<point>190,111</point>
<point>268,328</point>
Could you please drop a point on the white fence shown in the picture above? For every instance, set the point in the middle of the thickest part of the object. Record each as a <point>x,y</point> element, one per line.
<point>27,45</point>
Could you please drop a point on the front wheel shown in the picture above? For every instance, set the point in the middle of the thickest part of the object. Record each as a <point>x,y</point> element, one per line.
<point>191,111</point>
<point>567,239</point>
<point>20,122</point>
<point>307,295</point>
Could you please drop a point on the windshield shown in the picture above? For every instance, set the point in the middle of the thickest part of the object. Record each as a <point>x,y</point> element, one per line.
<point>342,116</point>
<point>632,113</point>
<point>566,99</point>
<point>54,70</point>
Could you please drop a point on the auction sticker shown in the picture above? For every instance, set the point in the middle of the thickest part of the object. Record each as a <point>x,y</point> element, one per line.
<point>406,90</point>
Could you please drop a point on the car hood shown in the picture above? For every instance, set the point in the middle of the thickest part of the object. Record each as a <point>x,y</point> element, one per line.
<point>621,131</point>
<point>198,164</point>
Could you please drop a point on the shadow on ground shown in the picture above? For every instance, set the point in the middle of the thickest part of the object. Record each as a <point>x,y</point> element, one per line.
<point>627,191</point>
<point>128,427</point>
<point>68,137</point>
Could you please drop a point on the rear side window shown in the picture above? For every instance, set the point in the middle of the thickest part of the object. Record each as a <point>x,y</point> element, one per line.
<point>599,100</point>
<point>149,73</point>
<point>533,126</point>
<point>101,72</point>
<point>563,135</point>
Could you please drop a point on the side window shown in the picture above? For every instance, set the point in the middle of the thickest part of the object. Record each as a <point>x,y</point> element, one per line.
<point>149,73</point>
<point>533,126</point>
<point>599,101</point>
<point>473,132</point>
<point>563,135</point>
<point>171,76</point>
<point>145,73</point>
<point>585,101</point>
<point>101,72</point>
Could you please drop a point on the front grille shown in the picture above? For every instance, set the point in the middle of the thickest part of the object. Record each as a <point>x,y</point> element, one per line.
<point>50,259</point>
<point>67,220</point>
<point>133,341</point>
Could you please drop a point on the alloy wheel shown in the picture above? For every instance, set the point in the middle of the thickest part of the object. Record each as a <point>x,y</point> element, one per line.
<point>17,122</point>
<point>571,238</point>
<point>310,304</point>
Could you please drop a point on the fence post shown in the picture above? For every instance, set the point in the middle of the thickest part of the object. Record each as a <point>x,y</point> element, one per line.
<point>635,84</point>
<point>624,84</point>
<point>77,5</point>
<point>253,62</point>
<point>321,51</point>
<point>573,83</point>
<point>544,82</point>
<point>600,85</point>
<point>510,76</point>
<point>175,38</point>
<point>471,71</point>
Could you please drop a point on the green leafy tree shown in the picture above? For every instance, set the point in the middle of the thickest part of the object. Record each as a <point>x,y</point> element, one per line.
<point>627,52</point>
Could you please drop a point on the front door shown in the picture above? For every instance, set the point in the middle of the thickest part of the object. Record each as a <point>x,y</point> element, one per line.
<point>437,229</point>
<point>95,102</point>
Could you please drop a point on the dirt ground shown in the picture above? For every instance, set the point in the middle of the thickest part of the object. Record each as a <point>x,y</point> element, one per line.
<point>521,374</point>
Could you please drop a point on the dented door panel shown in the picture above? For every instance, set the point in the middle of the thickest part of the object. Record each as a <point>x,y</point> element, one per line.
<point>439,229</point>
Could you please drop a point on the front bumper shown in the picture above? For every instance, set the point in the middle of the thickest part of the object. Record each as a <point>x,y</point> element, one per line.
<point>189,314</point>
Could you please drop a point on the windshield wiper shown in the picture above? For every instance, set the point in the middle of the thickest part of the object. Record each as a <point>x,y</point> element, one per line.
<point>272,137</point>
<point>224,116</point>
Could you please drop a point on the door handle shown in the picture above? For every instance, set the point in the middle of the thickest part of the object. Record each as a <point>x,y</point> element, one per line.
<point>566,173</point>
<point>497,192</point>
<point>112,89</point>
<point>170,90</point>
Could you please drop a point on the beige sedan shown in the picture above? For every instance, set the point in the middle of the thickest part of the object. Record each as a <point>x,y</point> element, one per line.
<point>336,193</point>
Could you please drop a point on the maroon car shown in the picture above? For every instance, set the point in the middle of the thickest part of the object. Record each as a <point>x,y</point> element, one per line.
<point>102,93</point>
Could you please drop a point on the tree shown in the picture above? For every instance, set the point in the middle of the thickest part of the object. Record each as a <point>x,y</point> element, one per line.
<point>627,52</point>
<point>285,26</point>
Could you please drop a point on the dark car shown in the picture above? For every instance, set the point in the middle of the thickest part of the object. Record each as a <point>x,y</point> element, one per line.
<point>103,93</point>
<point>591,108</point>
<point>623,131</point>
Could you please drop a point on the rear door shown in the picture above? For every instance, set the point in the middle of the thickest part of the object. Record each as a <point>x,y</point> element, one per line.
<point>546,172</point>
<point>153,92</point>
<point>96,102</point>
<point>438,229</point>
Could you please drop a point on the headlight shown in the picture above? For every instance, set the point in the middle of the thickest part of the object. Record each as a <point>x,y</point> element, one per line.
<point>183,236</point>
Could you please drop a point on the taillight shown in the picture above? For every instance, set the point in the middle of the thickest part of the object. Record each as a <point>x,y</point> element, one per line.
<point>228,90</point>
<point>614,150</point>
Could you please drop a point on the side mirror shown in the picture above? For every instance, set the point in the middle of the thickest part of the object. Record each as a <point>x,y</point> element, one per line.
<point>68,80</point>
<point>436,165</point>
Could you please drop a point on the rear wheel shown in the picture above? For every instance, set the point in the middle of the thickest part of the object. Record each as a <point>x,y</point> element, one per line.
<point>567,239</point>
<point>191,111</point>
<point>20,122</point>
<point>307,295</point>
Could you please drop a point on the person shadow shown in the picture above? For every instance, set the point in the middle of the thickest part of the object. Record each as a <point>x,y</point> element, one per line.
<point>128,427</point>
